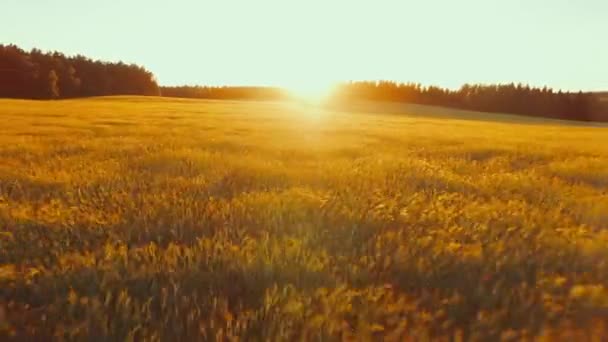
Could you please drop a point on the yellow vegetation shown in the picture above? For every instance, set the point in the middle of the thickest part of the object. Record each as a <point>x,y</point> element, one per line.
<point>151,219</point>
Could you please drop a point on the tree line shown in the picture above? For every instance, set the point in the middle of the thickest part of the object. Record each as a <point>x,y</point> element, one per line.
<point>498,98</point>
<point>50,75</point>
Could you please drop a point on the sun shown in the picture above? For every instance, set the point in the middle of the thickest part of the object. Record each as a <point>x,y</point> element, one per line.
<point>311,92</point>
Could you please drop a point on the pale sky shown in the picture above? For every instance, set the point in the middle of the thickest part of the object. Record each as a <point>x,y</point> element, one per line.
<point>559,43</point>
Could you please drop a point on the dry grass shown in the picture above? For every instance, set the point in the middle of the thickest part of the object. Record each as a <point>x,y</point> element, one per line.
<point>145,218</point>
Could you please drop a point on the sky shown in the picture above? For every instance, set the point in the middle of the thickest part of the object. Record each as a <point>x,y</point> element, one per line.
<point>559,43</point>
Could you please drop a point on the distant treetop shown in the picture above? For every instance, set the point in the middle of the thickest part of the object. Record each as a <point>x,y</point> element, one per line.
<point>50,75</point>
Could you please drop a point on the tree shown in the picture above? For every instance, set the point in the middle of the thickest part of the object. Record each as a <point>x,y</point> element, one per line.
<point>44,75</point>
<point>69,83</point>
<point>16,73</point>
<point>53,85</point>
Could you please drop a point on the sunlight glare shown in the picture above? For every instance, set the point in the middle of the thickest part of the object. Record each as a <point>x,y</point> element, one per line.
<point>311,92</point>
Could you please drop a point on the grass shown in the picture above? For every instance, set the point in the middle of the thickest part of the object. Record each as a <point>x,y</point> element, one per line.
<point>153,219</point>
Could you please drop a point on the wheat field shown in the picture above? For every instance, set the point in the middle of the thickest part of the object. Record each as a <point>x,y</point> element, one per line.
<point>132,218</point>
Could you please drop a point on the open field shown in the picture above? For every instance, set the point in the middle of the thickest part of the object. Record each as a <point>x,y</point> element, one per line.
<point>147,218</point>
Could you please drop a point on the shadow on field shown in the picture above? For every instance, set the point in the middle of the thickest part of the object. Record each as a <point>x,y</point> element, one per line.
<point>416,110</point>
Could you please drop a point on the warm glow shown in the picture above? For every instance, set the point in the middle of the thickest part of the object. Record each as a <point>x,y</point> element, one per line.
<point>312,92</point>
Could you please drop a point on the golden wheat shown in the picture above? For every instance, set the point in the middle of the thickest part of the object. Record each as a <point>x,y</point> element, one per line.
<point>132,218</point>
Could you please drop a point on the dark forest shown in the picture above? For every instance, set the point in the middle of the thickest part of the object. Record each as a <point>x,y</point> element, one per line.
<point>53,75</point>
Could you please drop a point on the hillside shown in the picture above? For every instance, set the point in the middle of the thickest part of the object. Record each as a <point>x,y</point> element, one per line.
<point>176,219</point>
